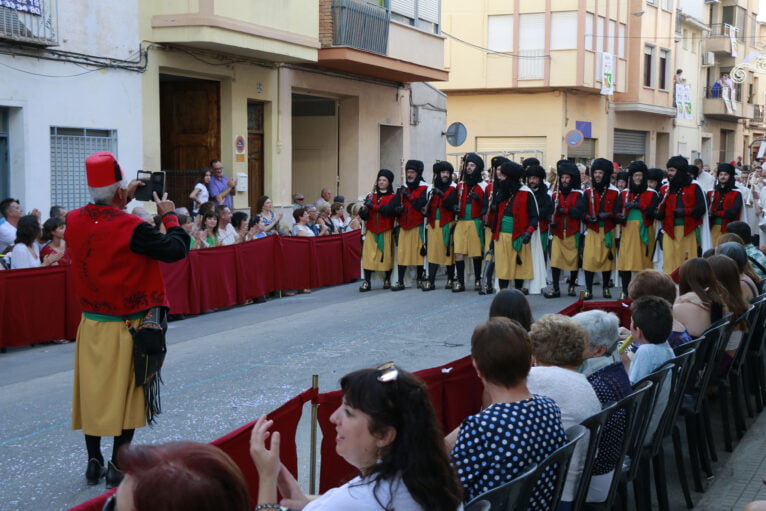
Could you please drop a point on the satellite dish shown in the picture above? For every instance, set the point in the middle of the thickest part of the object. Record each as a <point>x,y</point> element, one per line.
<point>456,134</point>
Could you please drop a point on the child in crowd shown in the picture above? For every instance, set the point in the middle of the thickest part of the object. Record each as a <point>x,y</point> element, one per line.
<point>651,324</point>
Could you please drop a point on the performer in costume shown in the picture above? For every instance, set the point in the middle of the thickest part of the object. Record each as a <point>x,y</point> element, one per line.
<point>724,202</point>
<point>469,231</point>
<point>489,217</point>
<point>515,221</point>
<point>637,219</point>
<point>440,212</point>
<point>622,180</point>
<point>117,280</point>
<point>378,214</point>
<point>408,205</point>
<point>601,204</point>
<point>536,182</point>
<point>654,177</point>
<point>565,228</point>
<point>681,210</point>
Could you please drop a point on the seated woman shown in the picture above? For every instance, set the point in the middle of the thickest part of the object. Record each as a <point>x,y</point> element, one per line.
<point>324,218</point>
<point>657,283</point>
<point>512,304</point>
<point>336,217</point>
<point>300,227</point>
<point>727,275</point>
<point>748,279</point>
<point>487,452</point>
<point>700,302</point>
<point>207,235</point>
<point>239,221</point>
<point>25,253</point>
<point>270,219</point>
<point>53,237</point>
<point>387,429</point>
<point>178,475</point>
<point>187,224</point>
<point>256,229</point>
<point>354,222</point>
<point>558,344</point>
<point>609,380</point>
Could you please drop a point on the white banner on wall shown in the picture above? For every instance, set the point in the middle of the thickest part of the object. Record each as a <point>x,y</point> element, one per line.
<point>607,74</point>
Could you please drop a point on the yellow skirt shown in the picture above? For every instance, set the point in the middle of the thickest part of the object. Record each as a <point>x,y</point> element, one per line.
<point>595,255</point>
<point>408,248</point>
<point>676,251</point>
<point>105,399</point>
<point>437,250</point>
<point>506,262</point>
<point>371,254</point>
<point>564,253</point>
<point>487,238</point>
<point>467,240</point>
<point>715,233</point>
<point>634,255</point>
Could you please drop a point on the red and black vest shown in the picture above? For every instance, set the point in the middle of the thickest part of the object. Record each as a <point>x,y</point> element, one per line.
<point>609,196</point>
<point>671,203</point>
<point>446,215</point>
<point>720,202</point>
<point>518,212</point>
<point>644,200</point>
<point>109,278</point>
<point>463,192</point>
<point>568,202</point>
<point>411,216</point>
<point>376,222</point>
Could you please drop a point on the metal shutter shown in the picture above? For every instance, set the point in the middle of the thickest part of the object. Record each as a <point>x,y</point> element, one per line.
<point>404,7</point>
<point>586,150</point>
<point>428,10</point>
<point>629,142</point>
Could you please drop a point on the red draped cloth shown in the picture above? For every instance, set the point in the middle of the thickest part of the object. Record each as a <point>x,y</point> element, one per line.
<point>619,307</point>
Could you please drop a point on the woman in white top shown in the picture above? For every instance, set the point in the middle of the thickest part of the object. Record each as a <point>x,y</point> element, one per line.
<point>300,228</point>
<point>387,429</point>
<point>26,252</point>
<point>336,217</point>
<point>200,194</point>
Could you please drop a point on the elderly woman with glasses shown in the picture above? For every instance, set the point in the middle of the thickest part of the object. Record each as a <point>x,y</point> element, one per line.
<point>387,429</point>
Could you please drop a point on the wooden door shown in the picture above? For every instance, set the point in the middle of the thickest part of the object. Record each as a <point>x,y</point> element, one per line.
<point>190,132</point>
<point>254,153</point>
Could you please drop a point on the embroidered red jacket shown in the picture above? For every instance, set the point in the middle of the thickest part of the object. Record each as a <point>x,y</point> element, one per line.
<point>611,205</point>
<point>411,216</point>
<point>476,204</point>
<point>521,207</point>
<point>444,204</point>
<point>571,215</point>
<point>726,205</point>
<point>380,216</point>
<point>692,202</point>
<point>647,203</point>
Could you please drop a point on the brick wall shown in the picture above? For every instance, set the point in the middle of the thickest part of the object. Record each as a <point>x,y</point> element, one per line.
<point>325,22</point>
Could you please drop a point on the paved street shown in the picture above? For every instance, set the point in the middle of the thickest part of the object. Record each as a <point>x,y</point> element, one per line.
<point>226,368</point>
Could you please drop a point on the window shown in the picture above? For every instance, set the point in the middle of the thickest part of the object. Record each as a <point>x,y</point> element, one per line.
<point>564,30</point>
<point>531,46</point>
<point>663,69</point>
<point>600,25</point>
<point>500,33</point>
<point>651,2</point>
<point>685,39</point>
<point>667,4</point>
<point>589,31</point>
<point>648,65</point>
<point>69,149</point>
<point>611,44</point>
<point>423,14</point>
<point>621,41</point>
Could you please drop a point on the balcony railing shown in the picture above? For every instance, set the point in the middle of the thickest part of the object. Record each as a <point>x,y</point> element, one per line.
<point>531,64</point>
<point>30,21</point>
<point>724,29</point>
<point>717,92</point>
<point>758,114</point>
<point>361,25</point>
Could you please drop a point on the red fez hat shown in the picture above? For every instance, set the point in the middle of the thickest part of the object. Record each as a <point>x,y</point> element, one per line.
<point>102,169</point>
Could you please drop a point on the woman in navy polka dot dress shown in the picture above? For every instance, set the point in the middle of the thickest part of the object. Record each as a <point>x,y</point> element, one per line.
<point>517,429</point>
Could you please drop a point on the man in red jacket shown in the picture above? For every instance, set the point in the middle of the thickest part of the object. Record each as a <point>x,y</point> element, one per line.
<point>117,279</point>
<point>408,204</point>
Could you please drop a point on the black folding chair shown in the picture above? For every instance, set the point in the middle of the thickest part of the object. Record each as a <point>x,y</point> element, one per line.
<point>635,406</point>
<point>506,496</point>
<point>478,505</point>
<point>752,371</point>
<point>694,407</point>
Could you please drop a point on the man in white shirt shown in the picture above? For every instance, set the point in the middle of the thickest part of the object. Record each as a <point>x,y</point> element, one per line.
<point>11,211</point>
<point>226,232</point>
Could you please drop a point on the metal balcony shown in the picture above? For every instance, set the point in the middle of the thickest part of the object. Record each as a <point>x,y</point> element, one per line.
<point>360,24</point>
<point>32,22</point>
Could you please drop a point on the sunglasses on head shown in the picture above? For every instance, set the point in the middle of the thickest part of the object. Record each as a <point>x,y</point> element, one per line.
<point>387,372</point>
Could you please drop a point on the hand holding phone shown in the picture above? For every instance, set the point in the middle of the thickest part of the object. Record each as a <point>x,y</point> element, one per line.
<point>154,182</point>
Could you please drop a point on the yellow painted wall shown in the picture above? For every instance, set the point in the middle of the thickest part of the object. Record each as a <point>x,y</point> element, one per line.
<point>410,44</point>
<point>295,16</point>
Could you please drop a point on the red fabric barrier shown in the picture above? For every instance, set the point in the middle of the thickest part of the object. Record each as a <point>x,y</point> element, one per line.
<point>255,263</point>
<point>32,305</point>
<point>178,287</point>
<point>334,470</point>
<point>352,255</point>
<point>619,307</point>
<point>297,264</point>
<point>213,277</point>
<point>237,445</point>
<point>328,256</point>
<point>462,392</point>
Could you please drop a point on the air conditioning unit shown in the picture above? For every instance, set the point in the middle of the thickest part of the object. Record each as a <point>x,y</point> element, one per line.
<point>708,59</point>
<point>712,1</point>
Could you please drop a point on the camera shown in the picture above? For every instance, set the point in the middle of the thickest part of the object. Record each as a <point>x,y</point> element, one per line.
<point>153,182</point>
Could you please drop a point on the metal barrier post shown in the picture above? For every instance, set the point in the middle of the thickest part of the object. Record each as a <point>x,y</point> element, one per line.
<point>313,446</point>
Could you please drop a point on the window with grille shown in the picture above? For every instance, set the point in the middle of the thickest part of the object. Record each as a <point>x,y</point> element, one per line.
<point>69,149</point>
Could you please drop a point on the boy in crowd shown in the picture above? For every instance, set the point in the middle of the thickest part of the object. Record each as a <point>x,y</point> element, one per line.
<point>651,323</point>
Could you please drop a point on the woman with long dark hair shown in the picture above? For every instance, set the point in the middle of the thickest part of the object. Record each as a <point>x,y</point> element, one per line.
<point>270,219</point>
<point>700,301</point>
<point>207,235</point>
<point>387,429</point>
<point>727,274</point>
<point>26,251</point>
<point>512,304</point>
<point>201,193</point>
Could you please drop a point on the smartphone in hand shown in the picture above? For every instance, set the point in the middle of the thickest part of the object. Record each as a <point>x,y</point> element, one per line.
<point>153,182</point>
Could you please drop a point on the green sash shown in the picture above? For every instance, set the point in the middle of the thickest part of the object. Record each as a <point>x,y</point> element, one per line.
<point>643,231</point>
<point>507,227</point>
<point>476,223</point>
<point>94,316</point>
<point>607,235</point>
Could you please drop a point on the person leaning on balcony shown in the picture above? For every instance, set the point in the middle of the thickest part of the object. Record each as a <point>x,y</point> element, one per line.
<point>378,248</point>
